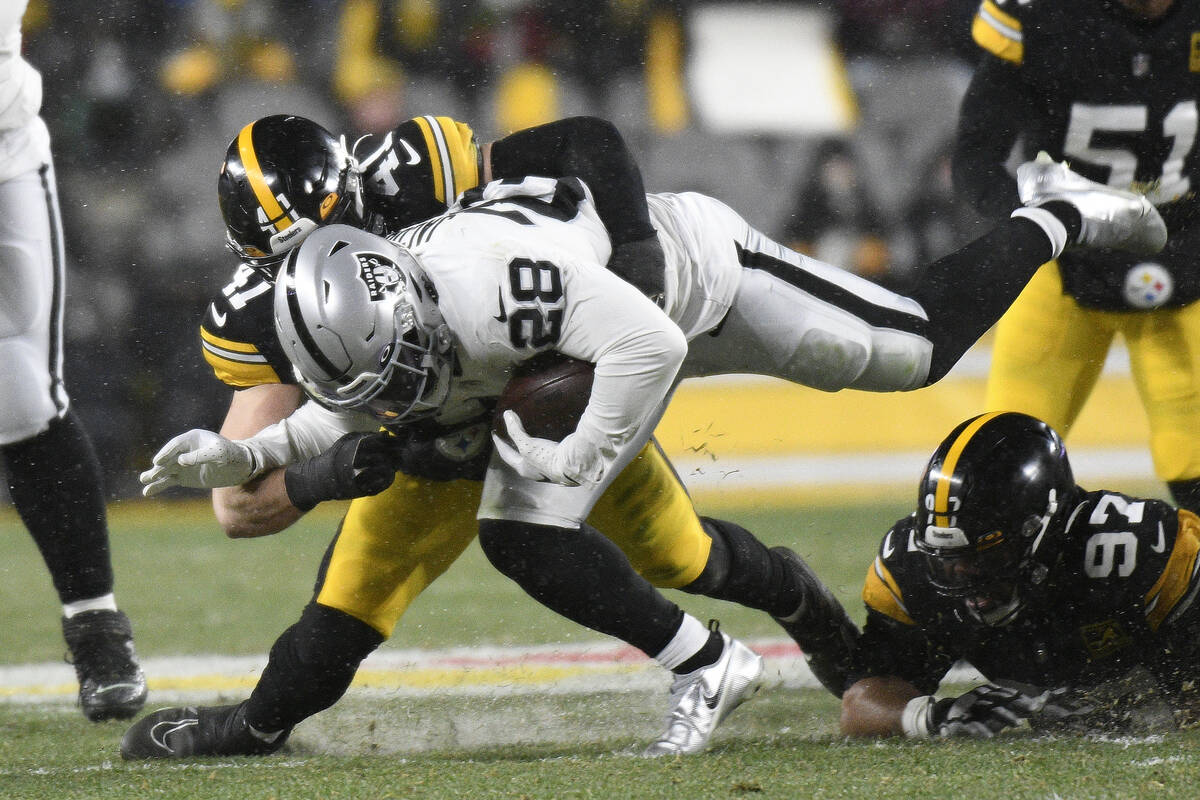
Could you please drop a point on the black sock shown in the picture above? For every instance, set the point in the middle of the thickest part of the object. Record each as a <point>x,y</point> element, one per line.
<point>705,656</point>
<point>311,665</point>
<point>584,577</point>
<point>743,570</point>
<point>1068,215</point>
<point>55,484</point>
<point>966,292</point>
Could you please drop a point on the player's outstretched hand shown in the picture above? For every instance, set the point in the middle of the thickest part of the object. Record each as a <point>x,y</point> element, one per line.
<point>199,459</point>
<point>569,462</point>
<point>982,712</point>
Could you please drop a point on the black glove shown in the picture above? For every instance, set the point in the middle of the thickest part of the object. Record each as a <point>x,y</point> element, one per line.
<point>356,465</point>
<point>979,714</point>
<point>441,453</point>
<point>642,264</point>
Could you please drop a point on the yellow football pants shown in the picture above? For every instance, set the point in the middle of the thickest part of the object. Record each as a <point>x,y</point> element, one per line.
<point>1049,352</point>
<point>394,544</point>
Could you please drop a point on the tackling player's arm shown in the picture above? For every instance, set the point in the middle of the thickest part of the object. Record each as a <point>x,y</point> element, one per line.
<point>261,506</point>
<point>892,663</point>
<point>593,150</point>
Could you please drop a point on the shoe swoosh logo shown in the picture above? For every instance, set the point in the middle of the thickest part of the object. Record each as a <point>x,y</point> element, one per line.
<point>713,700</point>
<point>217,316</point>
<point>413,156</point>
<point>1161,544</point>
<point>503,315</point>
<point>114,686</point>
<point>168,727</point>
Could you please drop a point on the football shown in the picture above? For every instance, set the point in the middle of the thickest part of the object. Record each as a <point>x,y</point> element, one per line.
<point>549,393</point>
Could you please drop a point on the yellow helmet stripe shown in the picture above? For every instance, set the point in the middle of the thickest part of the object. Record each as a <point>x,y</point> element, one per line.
<point>440,162</point>
<point>258,183</point>
<point>941,495</point>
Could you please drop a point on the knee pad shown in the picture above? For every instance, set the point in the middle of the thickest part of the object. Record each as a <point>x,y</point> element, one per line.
<point>899,362</point>
<point>828,361</point>
<point>26,393</point>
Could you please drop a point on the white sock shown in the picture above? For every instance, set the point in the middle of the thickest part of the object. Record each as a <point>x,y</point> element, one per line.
<point>691,636</point>
<point>105,602</point>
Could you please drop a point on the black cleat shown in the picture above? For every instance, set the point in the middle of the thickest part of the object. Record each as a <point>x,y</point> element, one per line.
<point>196,731</point>
<point>111,684</point>
<point>821,626</point>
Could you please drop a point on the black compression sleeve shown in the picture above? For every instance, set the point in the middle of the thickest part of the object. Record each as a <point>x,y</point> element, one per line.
<point>989,120</point>
<point>588,148</point>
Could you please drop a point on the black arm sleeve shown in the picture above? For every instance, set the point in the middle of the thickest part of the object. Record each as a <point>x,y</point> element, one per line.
<point>887,647</point>
<point>588,148</point>
<point>988,126</point>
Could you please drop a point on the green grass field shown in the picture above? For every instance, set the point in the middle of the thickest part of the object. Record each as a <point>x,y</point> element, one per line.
<point>191,591</point>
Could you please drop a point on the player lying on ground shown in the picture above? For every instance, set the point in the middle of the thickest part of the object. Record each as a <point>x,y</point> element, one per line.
<point>553,289</point>
<point>392,545</point>
<point>1044,587</point>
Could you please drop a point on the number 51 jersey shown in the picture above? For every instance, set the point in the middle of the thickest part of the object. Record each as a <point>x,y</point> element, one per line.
<point>1116,96</point>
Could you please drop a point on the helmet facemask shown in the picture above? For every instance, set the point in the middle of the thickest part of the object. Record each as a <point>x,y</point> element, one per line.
<point>413,378</point>
<point>989,571</point>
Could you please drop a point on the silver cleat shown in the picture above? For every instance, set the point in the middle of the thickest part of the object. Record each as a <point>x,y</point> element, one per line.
<point>701,699</point>
<point>1111,217</point>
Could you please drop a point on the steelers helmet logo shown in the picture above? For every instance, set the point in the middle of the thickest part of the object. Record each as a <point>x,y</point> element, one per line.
<point>1148,285</point>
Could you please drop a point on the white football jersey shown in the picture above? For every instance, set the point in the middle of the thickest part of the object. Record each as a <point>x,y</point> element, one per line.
<point>24,140</point>
<point>519,270</point>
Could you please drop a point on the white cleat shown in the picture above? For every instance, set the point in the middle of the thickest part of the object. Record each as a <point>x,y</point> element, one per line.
<point>1111,217</point>
<point>701,699</point>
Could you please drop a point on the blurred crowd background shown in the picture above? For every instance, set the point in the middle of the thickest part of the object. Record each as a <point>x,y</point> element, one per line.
<point>825,123</point>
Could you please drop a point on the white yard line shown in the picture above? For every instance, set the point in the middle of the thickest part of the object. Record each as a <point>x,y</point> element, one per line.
<point>473,671</point>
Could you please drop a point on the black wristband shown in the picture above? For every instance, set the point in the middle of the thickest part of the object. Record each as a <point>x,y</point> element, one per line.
<point>303,486</point>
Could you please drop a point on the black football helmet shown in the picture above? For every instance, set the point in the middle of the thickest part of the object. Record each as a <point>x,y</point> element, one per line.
<point>283,177</point>
<point>990,508</point>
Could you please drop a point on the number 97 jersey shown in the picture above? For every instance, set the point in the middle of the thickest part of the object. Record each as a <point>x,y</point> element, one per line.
<point>1121,593</point>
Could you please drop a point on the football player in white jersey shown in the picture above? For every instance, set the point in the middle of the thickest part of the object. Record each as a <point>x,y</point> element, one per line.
<point>53,475</point>
<point>433,323</point>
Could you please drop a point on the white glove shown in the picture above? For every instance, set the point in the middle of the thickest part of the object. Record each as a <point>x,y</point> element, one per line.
<point>200,459</point>
<point>570,462</point>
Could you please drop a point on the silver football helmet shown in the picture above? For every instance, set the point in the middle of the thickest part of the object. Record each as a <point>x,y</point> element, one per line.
<point>358,318</point>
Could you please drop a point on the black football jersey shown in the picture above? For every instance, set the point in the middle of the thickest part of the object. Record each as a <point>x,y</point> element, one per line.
<point>1121,594</point>
<point>1113,95</point>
